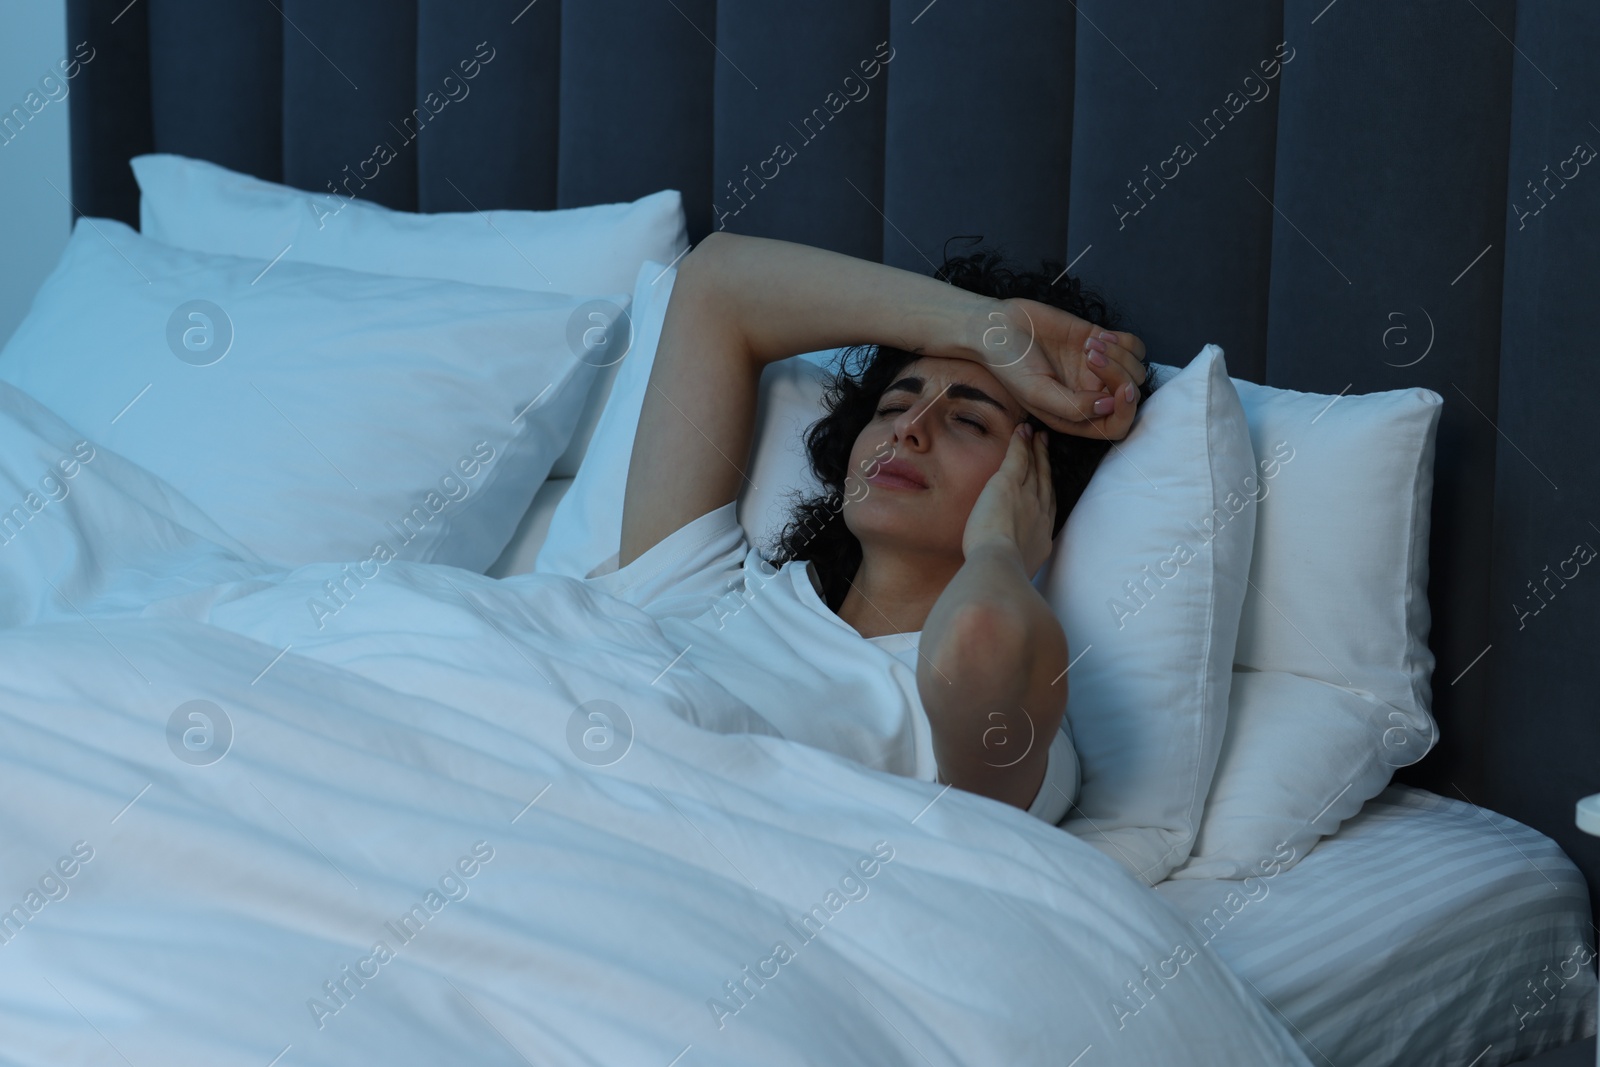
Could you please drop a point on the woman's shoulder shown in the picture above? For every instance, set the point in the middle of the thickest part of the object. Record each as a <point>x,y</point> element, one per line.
<point>698,558</point>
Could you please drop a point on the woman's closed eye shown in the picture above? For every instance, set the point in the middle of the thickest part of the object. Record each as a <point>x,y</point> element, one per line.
<point>981,428</point>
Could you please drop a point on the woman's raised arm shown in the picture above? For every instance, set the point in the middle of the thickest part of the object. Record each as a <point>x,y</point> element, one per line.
<point>739,303</point>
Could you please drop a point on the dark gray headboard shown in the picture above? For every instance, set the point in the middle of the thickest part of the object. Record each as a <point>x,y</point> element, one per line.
<point>1371,197</point>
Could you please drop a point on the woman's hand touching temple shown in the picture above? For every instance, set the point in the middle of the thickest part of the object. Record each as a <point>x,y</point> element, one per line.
<point>1017,506</point>
<point>1069,373</point>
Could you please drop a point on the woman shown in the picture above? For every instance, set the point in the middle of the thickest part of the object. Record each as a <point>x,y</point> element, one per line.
<point>944,452</point>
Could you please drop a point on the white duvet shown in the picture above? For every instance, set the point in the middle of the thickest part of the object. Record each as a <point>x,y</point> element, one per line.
<point>420,845</point>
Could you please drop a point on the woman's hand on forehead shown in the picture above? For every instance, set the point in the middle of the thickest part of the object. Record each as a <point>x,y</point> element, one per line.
<point>1072,375</point>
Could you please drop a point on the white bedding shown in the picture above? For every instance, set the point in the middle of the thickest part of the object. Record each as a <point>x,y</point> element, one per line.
<point>420,752</point>
<point>1411,936</point>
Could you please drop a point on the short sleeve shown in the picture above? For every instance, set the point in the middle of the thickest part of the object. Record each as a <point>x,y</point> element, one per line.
<point>683,572</point>
<point>1060,786</point>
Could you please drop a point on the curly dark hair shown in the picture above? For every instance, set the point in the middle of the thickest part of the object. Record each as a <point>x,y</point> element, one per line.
<point>816,529</point>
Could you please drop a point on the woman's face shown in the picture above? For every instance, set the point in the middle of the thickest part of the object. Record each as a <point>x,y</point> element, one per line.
<point>951,421</point>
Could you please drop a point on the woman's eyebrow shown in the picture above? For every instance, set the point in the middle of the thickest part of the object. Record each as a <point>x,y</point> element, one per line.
<point>960,390</point>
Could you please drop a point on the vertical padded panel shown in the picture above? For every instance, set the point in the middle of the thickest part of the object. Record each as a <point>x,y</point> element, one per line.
<point>489,140</point>
<point>1390,182</point>
<point>349,82</point>
<point>216,83</point>
<point>108,106</point>
<point>790,142</point>
<point>1542,744</point>
<point>1175,119</point>
<point>623,138</point>
<point>980,130</point>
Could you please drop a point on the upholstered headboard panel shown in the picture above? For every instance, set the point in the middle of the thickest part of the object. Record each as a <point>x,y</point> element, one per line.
<point>1368,197</point>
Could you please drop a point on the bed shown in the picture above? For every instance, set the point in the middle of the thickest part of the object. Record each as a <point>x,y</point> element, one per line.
<point>279,797</point>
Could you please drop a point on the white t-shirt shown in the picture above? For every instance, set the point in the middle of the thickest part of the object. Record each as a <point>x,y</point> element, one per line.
<point>769,638</point>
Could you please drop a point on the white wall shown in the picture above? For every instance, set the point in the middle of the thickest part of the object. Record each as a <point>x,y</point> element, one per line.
<point>35,220</point>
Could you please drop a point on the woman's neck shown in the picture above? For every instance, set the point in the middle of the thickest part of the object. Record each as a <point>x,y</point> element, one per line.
<point>893,599</point>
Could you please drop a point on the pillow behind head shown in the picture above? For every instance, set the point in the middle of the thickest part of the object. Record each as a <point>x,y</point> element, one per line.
<point>1148,579</point>
<point>1331,685</point>
<point>586,529</point>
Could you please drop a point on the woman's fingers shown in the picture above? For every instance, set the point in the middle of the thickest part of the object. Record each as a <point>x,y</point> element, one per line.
<point>1041,461</point>
<point>1117,404</point>
<point>1031,453</point>
<point>1075,411</point>
<point>1118,347</point>
<point>1071,375</point>
<point>1100,417</point>
<point>1116,366</point>
<point>1017,453</point>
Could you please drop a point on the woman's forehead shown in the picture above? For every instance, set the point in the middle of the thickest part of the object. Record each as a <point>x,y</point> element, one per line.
<point>941,372</point>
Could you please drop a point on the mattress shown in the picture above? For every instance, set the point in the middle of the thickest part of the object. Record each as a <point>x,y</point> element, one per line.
<point>1427,931</point>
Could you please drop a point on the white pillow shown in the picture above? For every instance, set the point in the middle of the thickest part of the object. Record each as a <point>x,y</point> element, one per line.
<point>586,529</point>
<point>1331,684</point>
<point>314,413</point>
<point>198,205</point>
<point>1148,579</point>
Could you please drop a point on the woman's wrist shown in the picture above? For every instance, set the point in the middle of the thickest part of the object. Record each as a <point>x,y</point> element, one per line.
<point>1001,334</point>
<point>1002,548</point>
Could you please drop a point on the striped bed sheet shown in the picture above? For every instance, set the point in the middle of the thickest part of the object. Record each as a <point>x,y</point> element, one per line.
<point>1427,931</point>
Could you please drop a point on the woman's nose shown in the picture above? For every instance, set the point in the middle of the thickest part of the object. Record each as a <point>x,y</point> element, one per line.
<point>911,422</point>
<point>907,431</point>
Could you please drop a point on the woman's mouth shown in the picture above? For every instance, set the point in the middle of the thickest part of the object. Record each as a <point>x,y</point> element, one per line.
<point>893,481</point>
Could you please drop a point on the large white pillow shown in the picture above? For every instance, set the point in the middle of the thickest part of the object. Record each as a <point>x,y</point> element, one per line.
<point>313,412</point>
<point>194,204</point>
<point>1148,579</point>
<point>586,529</point>
<point>1332,672</point>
